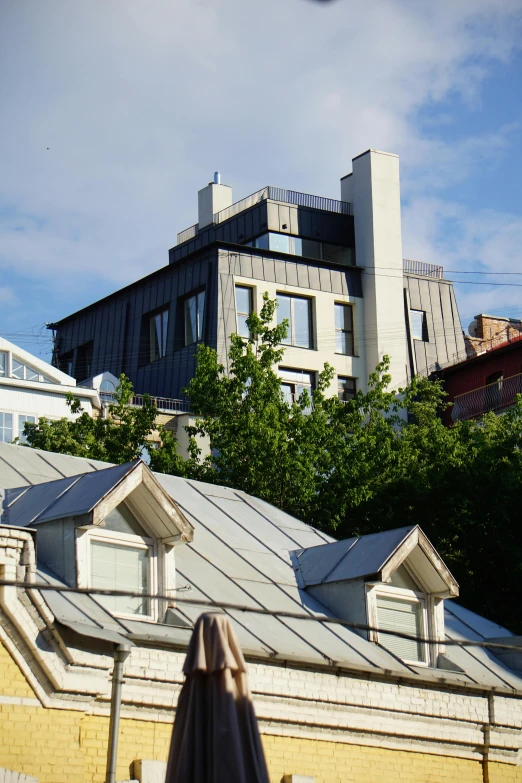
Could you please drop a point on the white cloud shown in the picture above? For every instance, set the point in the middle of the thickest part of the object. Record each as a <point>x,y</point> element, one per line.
<point>140,102</point>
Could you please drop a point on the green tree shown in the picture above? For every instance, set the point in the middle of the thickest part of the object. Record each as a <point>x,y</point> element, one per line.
<point>119,437</point>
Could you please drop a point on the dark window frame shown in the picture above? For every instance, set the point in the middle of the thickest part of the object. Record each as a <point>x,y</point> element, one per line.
<point>344,333</point>
<point>291,337</point>
<point>342,391</point>
<point>200,323</point>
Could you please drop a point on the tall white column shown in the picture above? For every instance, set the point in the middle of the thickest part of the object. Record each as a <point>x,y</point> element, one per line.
<point>373,188</point>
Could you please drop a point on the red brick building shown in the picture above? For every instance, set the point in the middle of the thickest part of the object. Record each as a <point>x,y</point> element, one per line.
<point>491,376</point>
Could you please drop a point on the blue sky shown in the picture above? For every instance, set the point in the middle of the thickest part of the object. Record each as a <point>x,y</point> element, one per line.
<point>140,102</point>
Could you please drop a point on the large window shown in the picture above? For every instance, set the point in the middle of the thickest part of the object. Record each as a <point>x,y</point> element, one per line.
<point>3,364</point>
<point>120,558</point>
<point>308,248</point>
<point>21,422</point>
<point>345,388</point>
<point>6,427</point>
<point>295,382</point>
<point>298,311</point>
<point>194,314</point>
<point>83,363</point>
<point>243,309</point>
<point>344,329</point>
<point>158,327</point>
<point>418,326</point>
<point>121,566</point>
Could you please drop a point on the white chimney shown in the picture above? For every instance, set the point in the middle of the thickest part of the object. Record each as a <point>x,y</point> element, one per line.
<point>212,199</point>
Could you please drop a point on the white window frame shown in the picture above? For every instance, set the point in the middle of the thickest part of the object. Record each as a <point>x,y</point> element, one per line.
<point>85,536</point>
<point>251,291</point>
<point>20,429</point>
<point>428,619</point>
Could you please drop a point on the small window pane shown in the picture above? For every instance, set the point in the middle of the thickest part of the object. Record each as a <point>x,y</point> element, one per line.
<point>345,388</point>
<point>311,248</point>
<point>262,242</point>
<point>243,299</point>
<point>337,254</point>
<point>302,336</point>
<point>394,614</point>
<point>164,330</point>
<point>242,328</point>
<point>344,330</point>
<point>280,243</point>
<point>201,313</point>
<point>3,363</point>
<point>31,375</point>
<point>18,369</point>
<point>284,312</point>
<point>190,320</point>
<point>21,421</point>
<point>417,322</point>
<point>116,567</point>
<point>6,427</point>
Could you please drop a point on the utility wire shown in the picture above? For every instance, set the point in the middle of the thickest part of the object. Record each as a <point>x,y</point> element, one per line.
<point>43,586</point>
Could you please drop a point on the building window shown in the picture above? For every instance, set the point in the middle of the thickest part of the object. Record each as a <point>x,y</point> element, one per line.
<point>295,382</point>
<point>418,326</point>
<point>298,311</point>
<point>121,566</point>
<point>21,421</point>
<point>158,327</point>
<point>66,363</point>
<point>121,557</point>
<point>194,312</point>
<point>345,388</point>
<point>344,329</point>
<point>3,364</point>
<point>6,427</point>
<point>83,364</point>
<point>308,248</point>
<point>243,309</point>
<point>403,612</point>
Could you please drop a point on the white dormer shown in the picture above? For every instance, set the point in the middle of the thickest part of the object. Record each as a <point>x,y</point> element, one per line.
<point>391,581</point>
<point>115,529</point>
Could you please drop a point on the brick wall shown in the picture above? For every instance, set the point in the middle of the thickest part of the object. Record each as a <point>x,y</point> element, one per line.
<point>63,745</point>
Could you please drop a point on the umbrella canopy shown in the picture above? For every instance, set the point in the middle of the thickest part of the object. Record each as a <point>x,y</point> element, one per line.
<point>215,738</point>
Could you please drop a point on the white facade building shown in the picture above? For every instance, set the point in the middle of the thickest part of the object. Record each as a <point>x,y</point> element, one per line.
<point>31,388</point>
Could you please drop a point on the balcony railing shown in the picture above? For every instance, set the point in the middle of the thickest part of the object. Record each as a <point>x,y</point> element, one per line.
<point>494,397</point>
<point>163,404</point>
<point>421,268</point>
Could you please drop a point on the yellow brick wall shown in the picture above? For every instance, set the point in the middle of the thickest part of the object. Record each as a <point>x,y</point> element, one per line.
<point>61,746</point>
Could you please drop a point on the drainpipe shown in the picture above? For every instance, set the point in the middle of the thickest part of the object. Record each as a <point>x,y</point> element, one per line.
<point>487,738</point>
<point>121,653</point>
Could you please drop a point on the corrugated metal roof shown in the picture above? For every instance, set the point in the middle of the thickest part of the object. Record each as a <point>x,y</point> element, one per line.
<point>241,553</point>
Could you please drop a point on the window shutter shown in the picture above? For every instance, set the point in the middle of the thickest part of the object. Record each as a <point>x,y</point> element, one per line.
<point>120,568</point>
<point>394,614</point>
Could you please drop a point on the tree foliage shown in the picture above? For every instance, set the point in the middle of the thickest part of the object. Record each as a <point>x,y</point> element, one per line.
<point>380,461</point>
<point>118,437</point>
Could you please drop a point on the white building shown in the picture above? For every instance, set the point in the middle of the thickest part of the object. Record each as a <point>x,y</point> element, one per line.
<point>31,388</point>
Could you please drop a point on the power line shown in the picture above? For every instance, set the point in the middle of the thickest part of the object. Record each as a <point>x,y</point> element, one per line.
<point>44,586</point>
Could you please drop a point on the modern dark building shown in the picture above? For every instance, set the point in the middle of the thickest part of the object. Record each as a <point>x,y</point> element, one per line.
<point>336,268</point>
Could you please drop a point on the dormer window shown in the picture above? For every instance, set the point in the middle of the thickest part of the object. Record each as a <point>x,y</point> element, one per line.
<point>401,606</point>
<point>394,582</point>
<point>113,529</point>
<point>122,557</point>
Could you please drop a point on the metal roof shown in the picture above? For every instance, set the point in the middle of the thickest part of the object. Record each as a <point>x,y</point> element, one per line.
<point>241,553</point>
<point>351,558</point>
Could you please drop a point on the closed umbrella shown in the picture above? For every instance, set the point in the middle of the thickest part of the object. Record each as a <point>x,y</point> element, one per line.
<point>215,738</point>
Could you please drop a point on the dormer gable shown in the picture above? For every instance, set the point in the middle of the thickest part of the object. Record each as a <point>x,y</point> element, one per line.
<point>392,582</point>
<point>113,529</point>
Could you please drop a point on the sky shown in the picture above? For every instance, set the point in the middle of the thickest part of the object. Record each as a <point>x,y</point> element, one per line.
<point>116,112</point>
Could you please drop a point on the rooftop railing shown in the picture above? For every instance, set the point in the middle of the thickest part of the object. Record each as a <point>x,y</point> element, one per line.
<point>493,397</point>
<point>422,268</point>
<point>287,197</point>
<point>273,194</point>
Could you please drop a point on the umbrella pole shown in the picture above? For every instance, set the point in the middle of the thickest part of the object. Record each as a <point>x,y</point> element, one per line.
<point>121,653</point>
